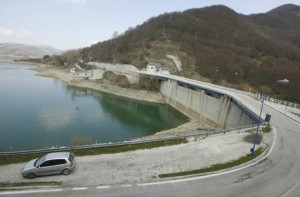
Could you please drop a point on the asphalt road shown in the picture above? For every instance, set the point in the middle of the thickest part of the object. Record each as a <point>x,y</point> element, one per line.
<point>277,175</point>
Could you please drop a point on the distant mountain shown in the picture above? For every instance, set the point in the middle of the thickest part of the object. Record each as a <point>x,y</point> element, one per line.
<point>13,51</point>
<point>260,48</point>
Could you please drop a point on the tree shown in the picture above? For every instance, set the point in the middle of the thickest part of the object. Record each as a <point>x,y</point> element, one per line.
<point>72,56</point>
<point>115,35</point>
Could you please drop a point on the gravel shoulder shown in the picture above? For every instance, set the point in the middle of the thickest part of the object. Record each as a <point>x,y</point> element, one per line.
<point>144,165</point>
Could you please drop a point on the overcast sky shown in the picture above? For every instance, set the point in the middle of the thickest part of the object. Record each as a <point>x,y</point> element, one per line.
<point>67,24</point>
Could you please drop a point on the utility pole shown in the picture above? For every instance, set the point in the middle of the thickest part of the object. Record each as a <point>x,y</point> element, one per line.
<point>257,128</point>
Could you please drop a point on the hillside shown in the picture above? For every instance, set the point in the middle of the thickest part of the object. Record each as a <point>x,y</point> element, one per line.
<point>13,51</point>
<point>249,52</point>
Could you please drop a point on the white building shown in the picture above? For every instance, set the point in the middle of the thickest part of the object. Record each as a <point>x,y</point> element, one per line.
<point>155,66</point>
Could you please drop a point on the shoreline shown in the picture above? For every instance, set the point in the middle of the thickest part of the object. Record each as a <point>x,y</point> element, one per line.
<point>104,86</point>
<point>190,127</point>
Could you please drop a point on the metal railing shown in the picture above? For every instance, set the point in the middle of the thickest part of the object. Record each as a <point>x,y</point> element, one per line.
<point>133,142</point>
<point>277,101</point>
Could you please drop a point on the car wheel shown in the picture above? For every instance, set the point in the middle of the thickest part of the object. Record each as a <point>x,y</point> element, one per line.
<point>66,171</point>
<point>31,175</point>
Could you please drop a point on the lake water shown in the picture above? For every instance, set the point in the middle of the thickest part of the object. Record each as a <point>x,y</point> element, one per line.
<point>38,112</point>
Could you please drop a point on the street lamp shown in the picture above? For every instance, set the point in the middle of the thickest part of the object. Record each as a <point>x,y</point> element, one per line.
<point>284,82</point>
<point>216,73</point>
<point>233,78</point>
<point>258,123</point>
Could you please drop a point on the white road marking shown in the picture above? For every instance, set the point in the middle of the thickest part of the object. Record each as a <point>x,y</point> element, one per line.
<point>30,191</point>
<point>128,185</point>
<point>103,187</point>
<point>79,188</point>
<point>290,190</point>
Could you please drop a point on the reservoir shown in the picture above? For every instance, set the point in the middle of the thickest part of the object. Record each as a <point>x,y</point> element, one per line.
<point>38,112</point>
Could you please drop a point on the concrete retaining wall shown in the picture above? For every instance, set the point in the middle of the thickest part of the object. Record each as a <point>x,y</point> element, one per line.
<point>130,71</point>
<point>218,111</point>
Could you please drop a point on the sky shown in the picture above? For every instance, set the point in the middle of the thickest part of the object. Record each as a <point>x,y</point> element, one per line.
<point>70,24</point>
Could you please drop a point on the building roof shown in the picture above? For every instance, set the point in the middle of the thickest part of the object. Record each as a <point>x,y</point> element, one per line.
<point>154,63</point>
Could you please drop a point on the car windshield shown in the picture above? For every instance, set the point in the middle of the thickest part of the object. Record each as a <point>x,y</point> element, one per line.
<point>71,158</point>
<point>40,161</point>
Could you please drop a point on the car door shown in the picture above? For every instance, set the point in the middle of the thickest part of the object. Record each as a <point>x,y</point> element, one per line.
<point>50,167</point>
<point>58,165</point>
<point>46,168</point>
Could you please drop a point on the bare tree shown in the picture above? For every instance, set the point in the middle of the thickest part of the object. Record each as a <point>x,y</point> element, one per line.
<point>115,35</point>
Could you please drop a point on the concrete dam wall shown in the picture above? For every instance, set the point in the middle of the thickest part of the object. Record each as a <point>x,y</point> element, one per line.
<point>213,109</point>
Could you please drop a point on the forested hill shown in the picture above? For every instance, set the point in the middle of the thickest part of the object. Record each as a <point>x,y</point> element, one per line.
<point>253,51</point>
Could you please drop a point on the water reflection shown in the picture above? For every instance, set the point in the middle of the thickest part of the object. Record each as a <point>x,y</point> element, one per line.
<point>133,113</point>
<point>56,119</point>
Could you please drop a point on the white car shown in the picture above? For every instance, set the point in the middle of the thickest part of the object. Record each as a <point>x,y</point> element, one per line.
<point>52,163</point>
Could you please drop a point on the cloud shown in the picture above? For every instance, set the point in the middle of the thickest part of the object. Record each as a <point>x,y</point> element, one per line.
<point>24,33</point>
<point>5,32</point>
<point>77,2</point>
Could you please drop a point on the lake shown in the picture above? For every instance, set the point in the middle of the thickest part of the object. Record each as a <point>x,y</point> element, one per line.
<point>38,112</point>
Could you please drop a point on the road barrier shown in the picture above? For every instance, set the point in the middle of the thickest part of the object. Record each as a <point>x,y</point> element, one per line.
<point>277,101</point>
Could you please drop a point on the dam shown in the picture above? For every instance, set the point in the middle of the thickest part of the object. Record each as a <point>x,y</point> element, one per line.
<point>197,102</point>
<point>210,107</point>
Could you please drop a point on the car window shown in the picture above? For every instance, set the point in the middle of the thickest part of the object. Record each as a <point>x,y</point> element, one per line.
<point>71,158</point>
<point>53,162</point>
<point>40,160</point>
<point>45,164</point>
<point>59,161</point>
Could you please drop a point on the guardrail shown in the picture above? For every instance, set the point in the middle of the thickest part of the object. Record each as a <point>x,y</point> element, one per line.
<point>277,101</point>
<point>102,145</point>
